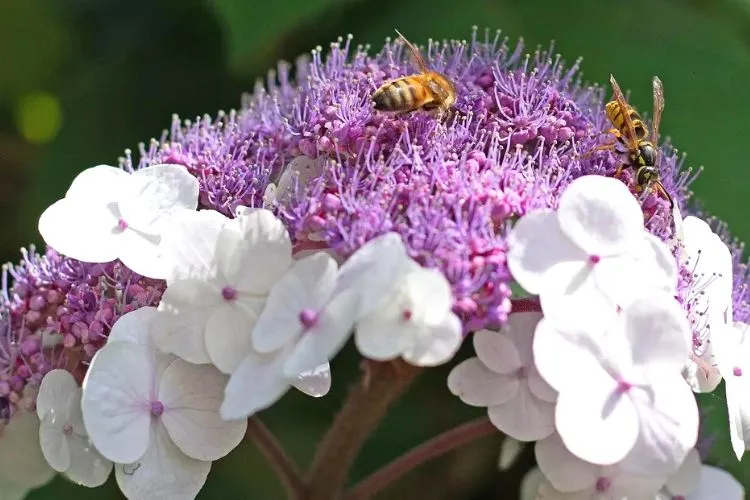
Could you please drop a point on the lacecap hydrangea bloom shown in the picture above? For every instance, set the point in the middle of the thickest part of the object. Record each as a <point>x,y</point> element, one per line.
<point>186,290</point>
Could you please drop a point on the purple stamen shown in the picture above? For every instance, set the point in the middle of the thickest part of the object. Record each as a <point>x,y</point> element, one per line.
<point>157,408</point>
<point>308,318</point>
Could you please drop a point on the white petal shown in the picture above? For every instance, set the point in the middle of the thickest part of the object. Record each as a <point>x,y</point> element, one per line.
<point>192,395</point>
<point>571,285</point>
<point>81,231</point>
<point>54,392</point>
<point>257,383</point>
<point>658,332</point>
<point>595,423</point>
<point>53,441</point>
<point>477,386</point>
<point>316,382</point>
<point>164,472</point>
<point>116,401</point>
<point>737,389</point>
<point>600,215</point>
<point>520,329</point>
<point>534,245</point>
<point>228,336</point>
<point>524,417</point>
<point>142,253</point>
<point>324,340</point>
<point>437,344</point>
<point>687,477</point>
<point>100,184</point>
<point>254,252</point>
<point>510,450</point>
<point>530,484</point>
<point>539,387</point>
<point>565,471</point>
<point>308,285</point>
<point>668,416</point>
<point>380,335</point>
<point>154,193</point>
<point>702,377</point>
<point>717,484</point>
<point>87,466</point>
<point>180,326</point>
<point>190,244</point>
<point>497,352</point>
<point>295,177</point>
<point>26,469</point>
<point>374,271</point>
<point>134,327</point>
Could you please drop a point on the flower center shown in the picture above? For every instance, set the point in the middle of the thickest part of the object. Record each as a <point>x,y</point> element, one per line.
<point>157,408</point>
<point>406,315</point>
<point>594,259</point>
<point>522,372</point>
<point>122,224</point>
<point>229,293</point>
<point>67,429</point>
<point>737,371</point>
<point>603,484</point>
<point>623,386</point>
<point>308,318</point>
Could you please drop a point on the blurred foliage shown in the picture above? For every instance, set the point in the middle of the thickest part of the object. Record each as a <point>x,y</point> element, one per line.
<point>110,74</point>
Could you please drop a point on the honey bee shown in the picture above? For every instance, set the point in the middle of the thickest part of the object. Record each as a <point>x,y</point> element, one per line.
<point>632,137</point>
<point>428,90</point>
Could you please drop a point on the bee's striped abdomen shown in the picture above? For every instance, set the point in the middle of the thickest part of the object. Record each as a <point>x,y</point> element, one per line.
<point>403,94</point>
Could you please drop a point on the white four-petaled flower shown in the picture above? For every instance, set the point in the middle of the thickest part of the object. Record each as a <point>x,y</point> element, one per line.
<point>593,250</point>
<point>155,415</point>
<point>63,437</point>
<point>732,352</point>
<point>503,377</point>
<point>695,481</point>
<point>110,214</point>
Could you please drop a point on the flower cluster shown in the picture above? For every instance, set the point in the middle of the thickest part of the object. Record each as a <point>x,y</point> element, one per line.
<point>187,291</point>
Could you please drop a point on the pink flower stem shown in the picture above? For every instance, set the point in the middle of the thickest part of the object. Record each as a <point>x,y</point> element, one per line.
<point>285,468</point>
<point>368,402</point>
<point>433,448</point>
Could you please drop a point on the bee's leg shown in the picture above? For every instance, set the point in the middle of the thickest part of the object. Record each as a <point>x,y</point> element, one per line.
<point>603,147</point>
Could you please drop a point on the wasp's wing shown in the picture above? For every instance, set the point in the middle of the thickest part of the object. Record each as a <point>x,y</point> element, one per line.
<point>624,107</point>
<point>658,108</point>
<point>416,56</point>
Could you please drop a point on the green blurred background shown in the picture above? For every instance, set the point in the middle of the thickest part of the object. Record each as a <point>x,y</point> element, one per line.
<point>81,80</point>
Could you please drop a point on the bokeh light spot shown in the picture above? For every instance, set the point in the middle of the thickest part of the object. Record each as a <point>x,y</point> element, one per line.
<point>38,117</point>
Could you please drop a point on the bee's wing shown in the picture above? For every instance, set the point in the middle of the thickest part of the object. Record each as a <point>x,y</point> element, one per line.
<point>416,56</point>
<point>658,108</point>
<point>620,98</point>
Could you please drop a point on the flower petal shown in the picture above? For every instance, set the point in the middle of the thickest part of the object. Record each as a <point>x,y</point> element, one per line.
<point>184,311</point>
<point>80,230</point>
<point>380,335</point>
<point>99,185</point>
<point>141,252</point>
<point>435,345</point>
<point>164,472</point>
<point>596,423</point>
<point>87,466</point>
<point>530,484</point>
<point>539,387</point>
<point>316,382</point>
<point>534,245</point>
<point>520,329</point>
<point>190,244</point>
<point>308,285</point>
<point>600,215</point>
<point>256,384</point>
<point>115,401</point>
<point>53,441</point>
<point>154,193</point>
<point>687,477</point>
<point>254,251</point>
<point>22,463</point>
<point>524,417</point>
<point>134,327</point>
<point>496,351</point>
<point>228,336</point>
<point>716,483</point>
<point>191,395</point>
<point>477,386</point>
<point>658,332</point>
<point>563,470</point>
<point>54,392</point>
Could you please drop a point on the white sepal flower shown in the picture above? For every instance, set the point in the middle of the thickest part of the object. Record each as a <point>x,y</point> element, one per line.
<point>732,350</point>
<point>62,435</point>
<point>110,214</point>
<point>695,481</point>
<point>155,415</point>
<point>295,176</point>
<point>583,480</point>
<point>415,323</point>
<point>621,381</point>
<point>224,272</point>
<point>593,248</point>
<point>22,463</point>
<point>709,297</point>
<point>504,378</point>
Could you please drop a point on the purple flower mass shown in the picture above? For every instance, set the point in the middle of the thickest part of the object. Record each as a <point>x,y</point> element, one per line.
<point>519,134</point>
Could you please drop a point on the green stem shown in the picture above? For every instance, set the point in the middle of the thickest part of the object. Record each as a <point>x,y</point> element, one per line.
<point>367,403</point>
<point>286,470</point>
<point>433,448</point>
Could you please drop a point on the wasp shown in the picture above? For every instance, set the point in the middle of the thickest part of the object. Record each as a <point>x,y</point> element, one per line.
<point>427,90</point>
<point>633,138</point>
